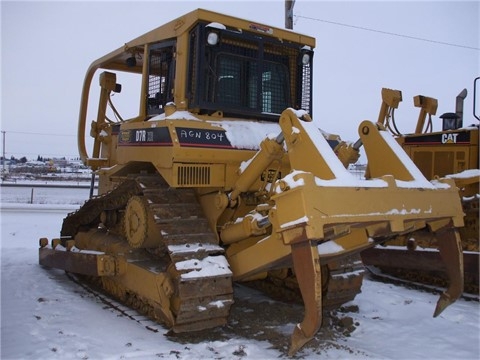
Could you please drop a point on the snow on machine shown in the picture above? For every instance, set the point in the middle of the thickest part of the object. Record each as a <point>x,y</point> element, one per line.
<point>221,176</point>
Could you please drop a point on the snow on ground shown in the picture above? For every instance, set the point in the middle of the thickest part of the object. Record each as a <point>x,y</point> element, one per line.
<point>44,315</point>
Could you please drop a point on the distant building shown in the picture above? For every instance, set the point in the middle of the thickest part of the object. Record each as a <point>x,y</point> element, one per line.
<point>60,163</point>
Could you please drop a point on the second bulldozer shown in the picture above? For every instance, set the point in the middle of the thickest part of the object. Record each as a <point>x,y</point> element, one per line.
<point>453,153</point>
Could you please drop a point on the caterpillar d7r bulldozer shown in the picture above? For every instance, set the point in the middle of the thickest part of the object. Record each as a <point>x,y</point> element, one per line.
<point>452,152</point>
<point>222,176</point>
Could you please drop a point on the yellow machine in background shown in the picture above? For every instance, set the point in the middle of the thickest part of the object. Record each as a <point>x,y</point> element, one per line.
<point>450,153</point>
<point>223,177</point>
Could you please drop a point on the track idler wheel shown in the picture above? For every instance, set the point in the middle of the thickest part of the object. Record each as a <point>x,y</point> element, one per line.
<point>309,276</point>
<point>139,225</point>
<point>449,244</point>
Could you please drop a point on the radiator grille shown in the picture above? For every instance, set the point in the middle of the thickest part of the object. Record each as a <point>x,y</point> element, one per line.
<point>193,175</point>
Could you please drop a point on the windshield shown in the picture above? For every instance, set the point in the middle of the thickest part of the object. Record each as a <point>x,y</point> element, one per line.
<point>235,83</point>
<point>246,74</point>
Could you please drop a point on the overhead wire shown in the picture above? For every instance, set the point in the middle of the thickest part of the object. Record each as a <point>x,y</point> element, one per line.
<point>35,133</point>
<point>10,153</point>
<point>387,32</point>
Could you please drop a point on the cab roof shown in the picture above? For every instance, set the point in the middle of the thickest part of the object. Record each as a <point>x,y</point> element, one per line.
<point>116,60</point>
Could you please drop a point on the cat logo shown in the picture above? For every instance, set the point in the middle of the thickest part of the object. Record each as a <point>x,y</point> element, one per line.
<point>125,136</point>
<point>449,138</point>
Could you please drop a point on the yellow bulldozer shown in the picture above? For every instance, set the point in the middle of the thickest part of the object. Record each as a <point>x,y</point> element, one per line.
<point>452,152</point>
<point>222,176</point>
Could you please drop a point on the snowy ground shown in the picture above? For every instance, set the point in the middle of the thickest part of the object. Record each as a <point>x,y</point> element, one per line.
<point>44,315</point>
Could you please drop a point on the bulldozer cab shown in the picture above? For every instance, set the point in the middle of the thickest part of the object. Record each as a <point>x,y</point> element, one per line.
<point>208,64</point>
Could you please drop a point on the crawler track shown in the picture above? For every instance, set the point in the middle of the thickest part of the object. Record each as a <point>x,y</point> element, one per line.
<point>342,282</point>
<point>187,267</point>
<point>377,275</point>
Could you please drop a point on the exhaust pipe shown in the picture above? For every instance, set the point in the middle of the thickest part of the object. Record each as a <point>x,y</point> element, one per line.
<point>459,107</point>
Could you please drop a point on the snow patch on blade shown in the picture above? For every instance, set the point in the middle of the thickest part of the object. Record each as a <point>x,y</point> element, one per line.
<point>329,247</point>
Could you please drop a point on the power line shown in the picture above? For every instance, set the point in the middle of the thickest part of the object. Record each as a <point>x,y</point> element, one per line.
<point>388,33</point>
<point>7,154</point>
<point>34,133</point>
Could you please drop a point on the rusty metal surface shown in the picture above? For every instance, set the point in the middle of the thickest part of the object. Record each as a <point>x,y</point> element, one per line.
<point>309,276</point>
<point>449,244</point>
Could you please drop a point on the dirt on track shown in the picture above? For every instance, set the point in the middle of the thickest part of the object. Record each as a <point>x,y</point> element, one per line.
<point>255,316</point>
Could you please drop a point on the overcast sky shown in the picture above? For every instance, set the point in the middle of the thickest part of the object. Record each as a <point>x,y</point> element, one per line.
<point>428,48</point>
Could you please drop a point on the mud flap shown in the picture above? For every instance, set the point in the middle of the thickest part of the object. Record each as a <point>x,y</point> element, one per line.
<point>307,270</point>
<point>449,244</point>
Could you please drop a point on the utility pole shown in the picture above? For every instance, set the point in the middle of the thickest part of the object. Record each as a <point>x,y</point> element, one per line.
<point>3,171</point>
<point>289,4</point>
